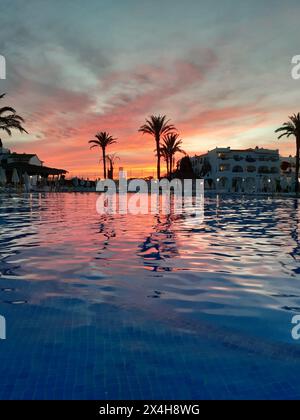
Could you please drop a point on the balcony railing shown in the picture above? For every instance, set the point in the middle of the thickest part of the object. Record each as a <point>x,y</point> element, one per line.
<point>237,169</point>
<point>265,170</point>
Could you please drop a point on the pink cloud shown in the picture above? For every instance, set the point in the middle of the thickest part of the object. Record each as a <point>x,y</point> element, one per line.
<point>62,121</point>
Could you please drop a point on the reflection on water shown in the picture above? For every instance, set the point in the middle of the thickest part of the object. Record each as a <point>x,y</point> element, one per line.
<point>246,250</point>
<point>160,245</point>
<point>233,279</point>
<point>245,247</point>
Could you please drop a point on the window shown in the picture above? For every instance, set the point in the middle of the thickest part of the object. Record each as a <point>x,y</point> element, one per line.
<point>238,158</point>
<point>250,159</point>
<point>237,169</point>
<point>263,170</point>
<point>224,167</point>
<point>223,156</point>
<point>274,170</point>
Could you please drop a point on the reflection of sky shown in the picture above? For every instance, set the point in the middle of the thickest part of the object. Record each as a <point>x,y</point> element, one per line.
<point>53,240</point>
<point>219,69</point>
<point>91,300</point>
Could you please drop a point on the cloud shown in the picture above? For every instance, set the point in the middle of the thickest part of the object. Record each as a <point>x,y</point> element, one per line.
<point>100,67</point>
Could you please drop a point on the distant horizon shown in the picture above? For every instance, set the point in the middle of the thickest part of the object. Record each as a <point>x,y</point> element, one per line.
<point>136,172</point>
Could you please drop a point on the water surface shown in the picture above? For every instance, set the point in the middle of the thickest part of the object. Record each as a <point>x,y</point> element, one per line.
<point>149,306</point>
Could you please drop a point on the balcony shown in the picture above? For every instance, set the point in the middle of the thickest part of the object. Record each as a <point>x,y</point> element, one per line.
<point>269,159</point>
<point>224,168</point>
<point>238,158</point>
<point>237,169</point>
<point>223,156</point>
<point>250,159</point>
<point>274,170</point>
<point>264,170</point>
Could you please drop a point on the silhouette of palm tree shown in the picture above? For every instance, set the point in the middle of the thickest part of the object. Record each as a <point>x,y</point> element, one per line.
<point>170,147</point>
<point>157,126</point>
<point>9,119</point>
<point>292,128</point>
<point>111,159</point>
<point>104,140</point>
<point>165,155</point>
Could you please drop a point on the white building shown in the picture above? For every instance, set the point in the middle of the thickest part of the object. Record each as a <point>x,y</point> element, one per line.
<point>7,157</point>
<point>25,163</point>
<point>243,171</point>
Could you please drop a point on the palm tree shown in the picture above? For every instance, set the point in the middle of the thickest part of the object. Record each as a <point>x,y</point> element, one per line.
<point>104,140</point>
<point>9,119</point>
<point>157,126</point>
<point>165,154</point>
<point>292,128</point>
<point>171,146</point>
<point>111,159</point>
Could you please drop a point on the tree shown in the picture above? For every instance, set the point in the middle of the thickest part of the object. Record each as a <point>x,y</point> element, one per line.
<point>292,128</point>
<point>171,146</point>
<point>103,140</point>
<point>111,159</point>
<point>157,126</point>
<point>9,119</point>
<point>165,155</point>
<point>185,169</point>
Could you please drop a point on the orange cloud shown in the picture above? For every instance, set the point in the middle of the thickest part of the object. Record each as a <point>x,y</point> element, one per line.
<point>62,120</point>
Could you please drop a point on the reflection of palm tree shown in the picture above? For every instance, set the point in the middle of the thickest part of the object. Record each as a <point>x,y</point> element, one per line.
<point>170,147</point>
<point>157,126</point>
<point>292,128</point>
<point>9,119</point>
<point>104,140</point>
<point>295,233</point>
<point>106,229</point>
<point>160,245</point>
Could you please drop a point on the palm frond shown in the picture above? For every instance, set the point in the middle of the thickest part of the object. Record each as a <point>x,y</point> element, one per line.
<point>10,120</point>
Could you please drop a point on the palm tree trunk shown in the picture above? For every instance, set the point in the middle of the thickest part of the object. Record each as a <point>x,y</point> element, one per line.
<point>171,165</point>
<point>297,166</point>
<point>104,162</point>
<point>168,167</point>
<point>112,171</point>
<point>157,139</point>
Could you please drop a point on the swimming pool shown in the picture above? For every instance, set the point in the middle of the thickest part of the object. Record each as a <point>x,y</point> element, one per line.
<point>149,307</point>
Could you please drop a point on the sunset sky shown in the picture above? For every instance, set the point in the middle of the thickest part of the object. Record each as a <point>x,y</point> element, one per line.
<point>220,70</point>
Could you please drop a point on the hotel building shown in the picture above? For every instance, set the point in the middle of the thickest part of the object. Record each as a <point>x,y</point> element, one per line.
<point>24,163</point>
<point>240,171</point>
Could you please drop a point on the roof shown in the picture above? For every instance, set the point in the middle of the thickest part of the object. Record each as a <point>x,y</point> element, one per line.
<point>250,149</point>
<point>21,157</point>
<point>33,169</point>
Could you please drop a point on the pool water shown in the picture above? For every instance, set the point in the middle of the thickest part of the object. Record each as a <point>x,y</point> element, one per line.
<point>149,306</point>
